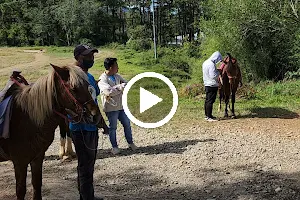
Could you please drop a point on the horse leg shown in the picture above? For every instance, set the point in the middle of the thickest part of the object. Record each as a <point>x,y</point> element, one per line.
<point>232,105</point>
<point>20,175</point>
<point>69,151</point>
<point>220,100</point>
<point>62,131</point>
<point>36,180</point>
<point>226,106</point>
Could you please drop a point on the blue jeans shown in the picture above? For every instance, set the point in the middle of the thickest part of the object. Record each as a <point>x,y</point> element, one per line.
<point>113,118</point>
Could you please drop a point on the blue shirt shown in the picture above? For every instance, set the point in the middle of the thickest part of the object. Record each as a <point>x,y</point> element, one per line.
<point>112,78</point>
<point>82,126</point>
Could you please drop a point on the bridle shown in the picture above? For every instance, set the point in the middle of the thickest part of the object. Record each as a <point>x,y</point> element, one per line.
<point>80,108</point>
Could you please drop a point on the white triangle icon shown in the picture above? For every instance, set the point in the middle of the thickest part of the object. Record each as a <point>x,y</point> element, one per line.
<point>147,100</point>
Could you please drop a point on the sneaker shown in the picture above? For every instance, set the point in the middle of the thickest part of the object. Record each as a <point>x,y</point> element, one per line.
<point>211,120</point>
<point>132,146</point>
<point>115,150</point>
<point>205,118</point>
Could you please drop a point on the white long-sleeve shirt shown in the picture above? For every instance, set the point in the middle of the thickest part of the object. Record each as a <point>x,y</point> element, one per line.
<point>111,92</point>
<point>210,72</point>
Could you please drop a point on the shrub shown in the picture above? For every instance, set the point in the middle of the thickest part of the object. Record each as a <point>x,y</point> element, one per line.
<point>139,44</point>
<point>192,90</point>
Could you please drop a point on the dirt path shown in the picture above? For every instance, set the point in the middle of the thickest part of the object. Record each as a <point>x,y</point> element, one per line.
<point>236,159</point>
<point>243,159</point>
<point>40,59</point>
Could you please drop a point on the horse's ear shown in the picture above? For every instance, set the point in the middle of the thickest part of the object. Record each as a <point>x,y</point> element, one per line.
<point>56,68</point>
<point>62,72</point>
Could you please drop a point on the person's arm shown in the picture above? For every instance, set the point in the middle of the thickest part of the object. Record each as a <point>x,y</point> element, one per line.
<point>122,80</point>
<point>107,89</point>
<point>212,72</point>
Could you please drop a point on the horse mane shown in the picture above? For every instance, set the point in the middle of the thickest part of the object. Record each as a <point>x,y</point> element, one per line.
<point>38,99</point>
<point>230,66</point>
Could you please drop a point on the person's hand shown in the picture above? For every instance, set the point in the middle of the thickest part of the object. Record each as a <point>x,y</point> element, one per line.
<point>120,87</point>
<point>123,84</point>
<point>240,84</point>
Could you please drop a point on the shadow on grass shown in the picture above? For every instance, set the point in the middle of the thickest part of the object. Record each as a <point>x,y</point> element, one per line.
<point>270,112</point>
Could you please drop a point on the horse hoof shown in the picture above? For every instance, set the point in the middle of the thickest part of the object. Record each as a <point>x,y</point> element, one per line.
<point>233,117</point>
<point>67,158</point>
<point>61,155</point>
<point>71,154</point>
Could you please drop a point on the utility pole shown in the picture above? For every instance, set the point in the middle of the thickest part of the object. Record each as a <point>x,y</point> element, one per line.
<point>154,35</point>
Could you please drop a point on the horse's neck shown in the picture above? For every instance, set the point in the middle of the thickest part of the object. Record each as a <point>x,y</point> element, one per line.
<point>37,100</point>
<point>231,71</point>
<point>21,121</point>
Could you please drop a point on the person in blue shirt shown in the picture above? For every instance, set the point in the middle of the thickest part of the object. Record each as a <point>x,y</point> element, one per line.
<point>85,136</point>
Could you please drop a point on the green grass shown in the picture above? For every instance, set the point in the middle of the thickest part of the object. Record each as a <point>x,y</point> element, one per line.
<point>266,99</point>
<point>60,52</point>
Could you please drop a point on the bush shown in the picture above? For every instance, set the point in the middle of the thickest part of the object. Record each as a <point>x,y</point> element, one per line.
<point>139,38</point>
<point>247,92</point>
<point>292,75</point>
<point>176,62</point>
<point>192,49</point>
<point>139,44</point>
<point>115,45</point>
<point>85,41</point>
<point>192,90</point>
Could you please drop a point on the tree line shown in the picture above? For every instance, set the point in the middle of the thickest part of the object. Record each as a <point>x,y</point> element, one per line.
<point>263,34</point>
<point>67,22</point>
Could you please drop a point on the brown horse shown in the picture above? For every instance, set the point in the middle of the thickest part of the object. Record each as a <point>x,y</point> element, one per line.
<point>36,112</point>
<point>230,79</point>
<point>66,148</point>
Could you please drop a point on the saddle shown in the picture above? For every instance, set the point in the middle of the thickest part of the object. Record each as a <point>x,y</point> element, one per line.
<point>6,104</point>
<point>5,114</point>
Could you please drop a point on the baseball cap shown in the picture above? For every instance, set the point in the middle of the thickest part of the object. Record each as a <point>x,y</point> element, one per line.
<point>83,49</point>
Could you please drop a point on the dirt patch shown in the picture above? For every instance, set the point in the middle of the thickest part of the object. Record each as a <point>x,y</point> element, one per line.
<point>234,159</point>
<point>35,51</point>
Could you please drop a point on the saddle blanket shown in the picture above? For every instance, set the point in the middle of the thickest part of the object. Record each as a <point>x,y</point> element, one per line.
<point>5,114</point>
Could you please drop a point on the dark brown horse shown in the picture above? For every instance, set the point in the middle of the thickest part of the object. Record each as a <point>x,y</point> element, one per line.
<point>230,79</point>
<point>36,112</point>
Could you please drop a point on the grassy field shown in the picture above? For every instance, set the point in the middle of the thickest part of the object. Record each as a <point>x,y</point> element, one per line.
<point>264,100</point>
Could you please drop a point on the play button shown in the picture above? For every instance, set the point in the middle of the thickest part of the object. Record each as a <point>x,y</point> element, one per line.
<point>150,100</point>
<point>147,100</point>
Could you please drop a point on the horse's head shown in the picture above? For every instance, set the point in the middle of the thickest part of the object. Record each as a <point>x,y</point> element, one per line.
<point>74,95</point>
<point>230,68</point>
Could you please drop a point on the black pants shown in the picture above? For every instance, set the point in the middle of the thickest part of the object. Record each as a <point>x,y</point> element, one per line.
<point>211,95</point>
<point>86,143</point>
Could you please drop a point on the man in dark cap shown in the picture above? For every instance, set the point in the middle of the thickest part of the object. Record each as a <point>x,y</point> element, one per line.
<point>84,56</point>
<point>85,136</point>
